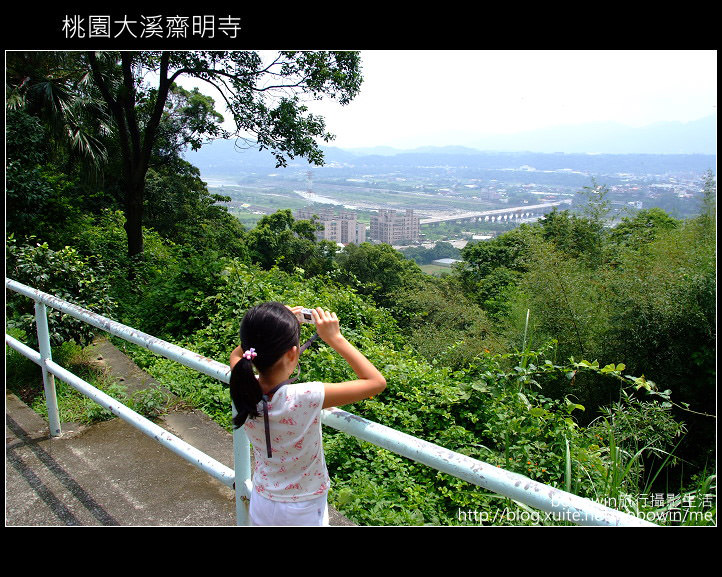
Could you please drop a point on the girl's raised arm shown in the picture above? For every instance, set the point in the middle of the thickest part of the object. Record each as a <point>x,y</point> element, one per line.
<point>236,356</point>
<point>370,381</point>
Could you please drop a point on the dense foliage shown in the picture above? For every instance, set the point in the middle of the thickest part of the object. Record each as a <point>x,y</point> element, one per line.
<point>575,353</point>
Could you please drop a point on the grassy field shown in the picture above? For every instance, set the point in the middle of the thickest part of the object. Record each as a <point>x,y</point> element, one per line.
<point>434,269</point>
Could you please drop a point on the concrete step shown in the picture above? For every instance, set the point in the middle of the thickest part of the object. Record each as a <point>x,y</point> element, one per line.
<point>105,474</point>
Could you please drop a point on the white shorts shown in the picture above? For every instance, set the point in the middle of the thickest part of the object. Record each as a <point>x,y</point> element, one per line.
<point>313,512</point>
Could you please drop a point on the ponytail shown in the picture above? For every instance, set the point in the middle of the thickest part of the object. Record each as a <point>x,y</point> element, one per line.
<point>269,329</point>
<point>245,392</point>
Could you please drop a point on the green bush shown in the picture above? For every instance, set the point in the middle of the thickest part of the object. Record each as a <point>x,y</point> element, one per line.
<point>65,274</point>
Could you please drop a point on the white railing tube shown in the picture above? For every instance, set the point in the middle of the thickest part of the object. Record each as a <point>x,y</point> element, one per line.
<point>183,356</point>
<point>214,468</point>
<point>559,505</point>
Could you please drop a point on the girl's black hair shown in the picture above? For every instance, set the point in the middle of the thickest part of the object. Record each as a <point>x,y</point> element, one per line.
<point>271,329</point>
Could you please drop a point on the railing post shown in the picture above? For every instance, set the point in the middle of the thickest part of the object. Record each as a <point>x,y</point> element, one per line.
<point>242,468</point>
<point>51,400</point>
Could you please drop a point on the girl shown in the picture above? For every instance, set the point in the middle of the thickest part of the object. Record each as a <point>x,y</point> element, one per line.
<point>290,479</point>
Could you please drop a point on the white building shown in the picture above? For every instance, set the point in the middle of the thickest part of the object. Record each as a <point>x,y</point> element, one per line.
<point>339,226</point>
<point>393,228</point>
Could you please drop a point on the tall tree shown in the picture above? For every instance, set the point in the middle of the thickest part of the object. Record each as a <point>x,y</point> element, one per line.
<point>264,98</point>
<point>54,87</point>
<point>54,142</point>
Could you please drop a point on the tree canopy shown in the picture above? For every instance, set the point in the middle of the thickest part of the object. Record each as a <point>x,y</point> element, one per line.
<point>130,103</point>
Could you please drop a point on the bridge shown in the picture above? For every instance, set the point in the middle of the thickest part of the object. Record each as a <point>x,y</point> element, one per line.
<point>509,213</point>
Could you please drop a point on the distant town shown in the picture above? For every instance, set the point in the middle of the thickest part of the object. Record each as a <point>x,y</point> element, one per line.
<point>418,199</point>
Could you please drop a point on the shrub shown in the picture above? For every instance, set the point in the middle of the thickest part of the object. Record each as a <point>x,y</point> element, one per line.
<point>63,273</point>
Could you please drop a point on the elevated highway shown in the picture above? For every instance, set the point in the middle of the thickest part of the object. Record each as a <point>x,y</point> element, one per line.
<point>507,213</point>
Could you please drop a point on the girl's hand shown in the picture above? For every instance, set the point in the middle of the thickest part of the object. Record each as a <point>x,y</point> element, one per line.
<point>295,310</point>
<point>370,381</point>
<point>327,326</point>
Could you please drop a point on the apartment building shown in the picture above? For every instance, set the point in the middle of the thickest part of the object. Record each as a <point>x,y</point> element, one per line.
<point>338,225</point>
<point>392,227</point>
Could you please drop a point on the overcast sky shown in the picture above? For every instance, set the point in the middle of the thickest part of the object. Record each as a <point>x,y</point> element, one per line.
<point>415,98</point>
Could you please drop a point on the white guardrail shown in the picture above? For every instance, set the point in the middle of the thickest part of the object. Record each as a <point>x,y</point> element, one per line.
<point>558,505</point>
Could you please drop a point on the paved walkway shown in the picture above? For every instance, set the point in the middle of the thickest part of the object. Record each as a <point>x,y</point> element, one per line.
<point>112,474</point>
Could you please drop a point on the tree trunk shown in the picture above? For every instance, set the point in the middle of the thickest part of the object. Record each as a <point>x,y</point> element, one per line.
<point>136,144</point>
<point>134,218</point>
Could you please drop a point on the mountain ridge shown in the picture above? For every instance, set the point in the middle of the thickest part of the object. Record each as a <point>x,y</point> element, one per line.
<point>693,137</point>
<point>222,157</point>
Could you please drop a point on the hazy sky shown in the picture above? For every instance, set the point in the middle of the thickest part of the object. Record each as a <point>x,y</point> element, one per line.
<point>446,97</point>
<point>415,98</point>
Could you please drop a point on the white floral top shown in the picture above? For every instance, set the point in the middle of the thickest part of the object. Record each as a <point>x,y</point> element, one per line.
<point>296,470</point>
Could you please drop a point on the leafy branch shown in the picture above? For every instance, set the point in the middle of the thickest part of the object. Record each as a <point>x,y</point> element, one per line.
<point>639,384</point>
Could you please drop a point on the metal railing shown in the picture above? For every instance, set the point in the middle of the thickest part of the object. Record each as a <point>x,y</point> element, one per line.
<point>557,504</point>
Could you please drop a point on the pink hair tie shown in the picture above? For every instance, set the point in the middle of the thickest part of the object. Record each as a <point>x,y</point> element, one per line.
<point>250,354</point>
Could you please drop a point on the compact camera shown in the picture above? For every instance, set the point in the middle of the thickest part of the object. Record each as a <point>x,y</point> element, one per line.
<point>305,316</point>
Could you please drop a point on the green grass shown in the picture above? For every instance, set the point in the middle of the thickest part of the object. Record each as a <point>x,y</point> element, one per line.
<point>435,269</point>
